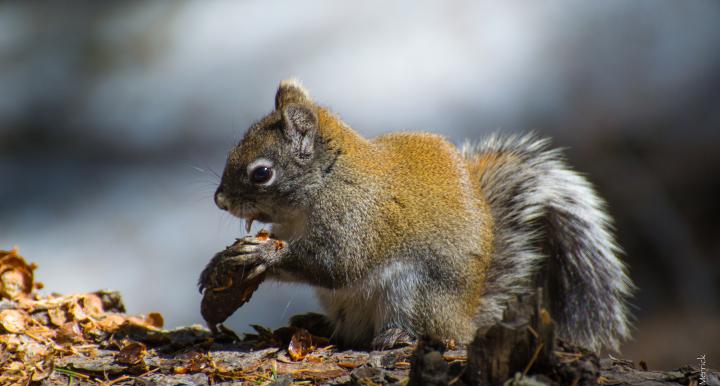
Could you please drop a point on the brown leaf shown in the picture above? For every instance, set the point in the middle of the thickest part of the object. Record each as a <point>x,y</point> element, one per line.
<point>70,333</point>
<point>57,316</point>
<point>92,305</point>
<point>350,365</point>
<point>16,275</point>
<point>76,311</point>
<point>149,322</point>
<point>402,365</point>
<point>110,322</point>
<point>314,359</point>
<point>300,345</point>
<point>155,319</point>
<point>131,353</point>
<point>41,371</point>
<point>316,372</point>
<point>13,321</point>
<point>198,362</point>
<point>10,342</point>
<point>41,333</point>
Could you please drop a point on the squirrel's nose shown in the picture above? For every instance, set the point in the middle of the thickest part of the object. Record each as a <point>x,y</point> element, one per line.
<point>221,200</point>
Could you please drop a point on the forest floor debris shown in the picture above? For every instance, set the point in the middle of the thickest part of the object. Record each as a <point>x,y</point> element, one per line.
<point>88,339</point>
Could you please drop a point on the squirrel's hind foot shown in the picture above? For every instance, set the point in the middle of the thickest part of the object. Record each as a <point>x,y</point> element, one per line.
<point>392,338</point>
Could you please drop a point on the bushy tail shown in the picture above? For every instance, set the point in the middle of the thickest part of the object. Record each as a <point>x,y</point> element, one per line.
<point>551,230</point>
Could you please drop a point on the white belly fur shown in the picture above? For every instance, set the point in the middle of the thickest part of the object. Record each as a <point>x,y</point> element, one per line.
<point>383,300</point>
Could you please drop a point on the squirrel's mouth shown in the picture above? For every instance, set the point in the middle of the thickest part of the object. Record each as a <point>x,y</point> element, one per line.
<point>259,216</point>
<point>250,216</point>
<point>249,212</point>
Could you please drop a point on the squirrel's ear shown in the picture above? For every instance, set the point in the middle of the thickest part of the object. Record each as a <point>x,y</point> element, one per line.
<point>290,91</point>
<point>299,126</point>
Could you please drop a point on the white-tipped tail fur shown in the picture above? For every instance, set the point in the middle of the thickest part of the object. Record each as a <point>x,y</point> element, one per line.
<point>551,230</point>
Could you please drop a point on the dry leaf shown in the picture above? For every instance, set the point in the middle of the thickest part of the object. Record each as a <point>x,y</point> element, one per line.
<point>350,365</point>
<point>37,331</point>
<point>301,344</point>
<point>15,366</point>
<point>131,353</point>
<point>155,319</point>
<point>315,372</point>
<point>42,371</point>
<point>198,362</point>
<point>16,275</point>
<point>76,311</point>
<point>92,305</point>
<point>42,334</point>
<point>13,321</point>
<point>57,316</point>
<point>143,321</point>
<point>70,333</point>
<point>110,322</point>
<point>314,359</point>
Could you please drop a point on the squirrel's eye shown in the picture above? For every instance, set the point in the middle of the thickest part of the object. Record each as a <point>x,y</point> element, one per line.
<point>261,174</point>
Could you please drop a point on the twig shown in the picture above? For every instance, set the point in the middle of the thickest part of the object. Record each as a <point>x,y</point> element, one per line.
<point>71,373</point>
<point>533,359</point>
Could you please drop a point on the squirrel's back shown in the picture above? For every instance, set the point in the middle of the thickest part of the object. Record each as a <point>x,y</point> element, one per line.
<point>426,179</point>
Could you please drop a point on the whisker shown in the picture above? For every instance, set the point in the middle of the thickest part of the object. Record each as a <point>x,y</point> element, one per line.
<point>287,306</point>
<point>207,169</point>
<point>214,172</point>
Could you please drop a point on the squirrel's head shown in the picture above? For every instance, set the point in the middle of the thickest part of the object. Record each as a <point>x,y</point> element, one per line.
<point>275,165</point>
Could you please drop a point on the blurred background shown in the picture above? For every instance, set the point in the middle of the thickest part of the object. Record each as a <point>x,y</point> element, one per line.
<point>115,119</point>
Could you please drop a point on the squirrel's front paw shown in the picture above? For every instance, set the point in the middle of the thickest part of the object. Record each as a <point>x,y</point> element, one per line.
<point>218,272</point>
<point>249,256</point>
